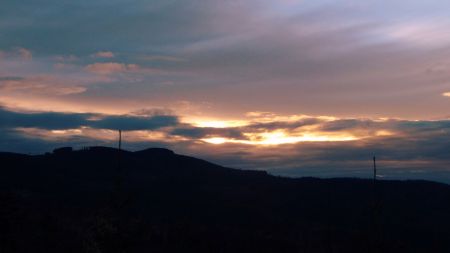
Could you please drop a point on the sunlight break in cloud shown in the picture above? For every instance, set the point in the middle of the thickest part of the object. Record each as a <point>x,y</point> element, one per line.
<point>446,94</point>
<point>281,137</point>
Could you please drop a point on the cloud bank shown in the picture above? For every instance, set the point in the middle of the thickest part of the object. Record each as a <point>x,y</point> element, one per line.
<point>405,149</point>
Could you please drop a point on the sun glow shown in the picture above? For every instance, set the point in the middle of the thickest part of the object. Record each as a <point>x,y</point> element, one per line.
<point>280,137</point>
<point>67,132</point>
<point>382,133</point>
<point>217,140</point>
<point>256,132</point>
<point>276,138</point>
<point>218,123</point>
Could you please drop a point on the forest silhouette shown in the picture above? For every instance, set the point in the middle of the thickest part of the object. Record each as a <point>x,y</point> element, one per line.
<point>101,199</point>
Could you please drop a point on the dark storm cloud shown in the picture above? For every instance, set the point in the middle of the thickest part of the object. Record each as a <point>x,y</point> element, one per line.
<point>58,121</point>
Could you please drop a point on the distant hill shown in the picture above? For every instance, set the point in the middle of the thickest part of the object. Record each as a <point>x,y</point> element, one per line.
<point>104,200</point>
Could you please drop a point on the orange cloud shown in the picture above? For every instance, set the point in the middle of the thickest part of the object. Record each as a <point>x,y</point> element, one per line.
<point>42,84</point>
<point>108,68</point>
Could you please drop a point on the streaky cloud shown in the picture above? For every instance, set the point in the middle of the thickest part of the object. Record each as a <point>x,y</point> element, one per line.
<point>61,121</point>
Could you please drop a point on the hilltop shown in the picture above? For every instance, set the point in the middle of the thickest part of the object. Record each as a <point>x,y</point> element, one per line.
<point>101,199</point>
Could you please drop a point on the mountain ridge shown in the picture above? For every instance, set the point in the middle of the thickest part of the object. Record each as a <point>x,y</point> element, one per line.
<point>157,151</point>
<point>160,201</point>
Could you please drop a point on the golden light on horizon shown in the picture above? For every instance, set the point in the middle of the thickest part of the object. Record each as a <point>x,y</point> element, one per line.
<point>229,131</point>
<point>251,118</point>
<point>382,133</point>
<point>281,137</point>
<point>217,140</point>
<point>67,132</point>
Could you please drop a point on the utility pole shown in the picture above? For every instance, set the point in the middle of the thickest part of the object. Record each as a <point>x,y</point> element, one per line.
<point>120,151</point>
<point>375,206</point>
<point>118,198</point>
<point>374,170</point>
<point>120,140</point>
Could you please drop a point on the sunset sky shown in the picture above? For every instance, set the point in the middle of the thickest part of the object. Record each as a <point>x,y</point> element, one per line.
<point>298,88</point>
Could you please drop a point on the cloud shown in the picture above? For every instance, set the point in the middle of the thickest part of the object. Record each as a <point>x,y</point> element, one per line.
<point>42,84</point>
<point>10,119</point>
<point>356,60</point>
<point>24,53</point>
<point>426,33</point>
<point>412,146</point>
<point>111,68</point>
<point>108,68</point>
<point>446,94</point>
<point>152,111</point>
<point>10,78</point>
<point>352,124</point>
<point>103,54</point>
<point>290,125</point>
<point>61,121</point>
<point>163,58</point>
<point>208,132</point>
<point>398,157</point>
<point>312,58</point>
<point>66,58</point>
<point>17,52</point>
<point>252,133</point>
<point>130,123</point>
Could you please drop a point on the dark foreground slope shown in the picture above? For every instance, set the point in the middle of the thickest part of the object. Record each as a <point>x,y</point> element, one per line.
<point>158,201</point>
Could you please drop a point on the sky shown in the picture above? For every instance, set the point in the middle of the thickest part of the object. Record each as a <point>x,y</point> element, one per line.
<point>294,87</point>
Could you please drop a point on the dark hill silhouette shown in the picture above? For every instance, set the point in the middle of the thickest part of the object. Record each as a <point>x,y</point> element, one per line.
<point>104,200</point>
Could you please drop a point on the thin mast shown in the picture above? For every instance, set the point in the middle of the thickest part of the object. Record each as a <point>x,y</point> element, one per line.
<point>120,139</point>
<point>374,170</point>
